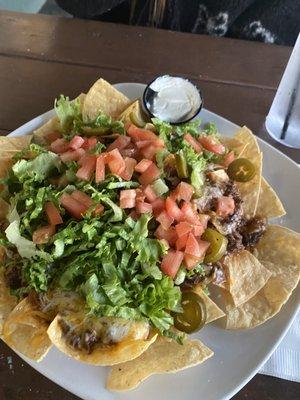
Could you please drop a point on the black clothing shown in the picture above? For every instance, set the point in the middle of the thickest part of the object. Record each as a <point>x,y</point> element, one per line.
<point>270,21</point>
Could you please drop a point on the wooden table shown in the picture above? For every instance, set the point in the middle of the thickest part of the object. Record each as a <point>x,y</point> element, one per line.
<point>43,56</point>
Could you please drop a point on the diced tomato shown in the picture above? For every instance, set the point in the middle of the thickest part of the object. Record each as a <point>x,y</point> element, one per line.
<point>76,142</point>
<point>172,209</point>
<point>169,235</point>
<point>53,215</point>
<point>127,198</point>
<point>183,228</point>
<point>193,142</point>
<point>143,207</point>
<point>87,169</point>
<point>150,194</point>
<point>188,213</point>
<point>120,143</point>
<point>143,143</point>
<point>140,195</point>
<point>212,144</point>
<point>150,175</point>
<point>225,206</point>
<point>83,198</point>
<point>149,151</point>
<point>74,207</point>
<point>183,191</point>
<point>134,214</point>
<point>98,209</point>
<point>190,261</point>
<point>52,136</point>
<point>142,166</point>
<point>171,262</point>
<point>198,230</point>
<point>59,145</point>
<point>72,155</point>
<point>165,220</point>
<point>43,234</point>
<point>129,151</point>
<point>130,163</point>
<point>203,218</point>
<point>181,242</point>
<point>158,206</point>
<point>138,134</point>
<point>100,169</point>
<point>115,162</point>
<point>196,248</point>
<point>89,143</point>
<point>228,158</point>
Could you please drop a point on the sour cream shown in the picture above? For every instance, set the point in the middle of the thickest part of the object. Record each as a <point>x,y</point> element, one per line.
<point>172,99</point>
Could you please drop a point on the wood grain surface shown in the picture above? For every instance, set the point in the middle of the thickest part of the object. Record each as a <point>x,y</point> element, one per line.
<point>43,56</point>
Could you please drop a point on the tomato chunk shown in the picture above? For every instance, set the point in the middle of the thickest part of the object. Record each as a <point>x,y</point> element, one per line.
<point>196,248</point>
<point>138,134</point>
<point>127,198</point>
<point>150,193</point>
<point>59,145</point>
<point>100,169</point>
<point>183,228</point>
<point>76,142</point>
<point>74,207</point>
<point>43,234</point>
<point>181,242</point>
<point>225,206</point>
<point>87,169</point>
<point>82,197</point>
<point>130,163</point>
<point>115,162</point>
<point>190,261</point>
<point>142,166</point>
<point>193,142</point>
<point>212,144</point>
<point>158,206</point>
<point>171,262</point>
<point>167,234</point>
<point>149,152</point>
<point>53,215</point>
<point>150,175</point>
<point>184,191</point>
<point>198,230</point>
<point>143,207</point>
<point>165,219</point>
<point>228,158</point>
<point>89,143</point>
<point>72,155</point>
<point>203,218</point>
<point>120,143</point>
<point>172,209</point>
<point>188,213</point>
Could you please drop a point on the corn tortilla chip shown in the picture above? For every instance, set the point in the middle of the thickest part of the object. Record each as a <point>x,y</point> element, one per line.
<point>125,115</point>
<point>103,98</point>
<point>269,204</point>
<point>245,276</point>
<point>102,354</point>
<point>11,145</point>
<point>249,191</point>
<point>279,252</point>
<point>213,312</point>
<point>7,301</point>
<point>164,356</point>
<point>25,330</point>
<point>234,144</point>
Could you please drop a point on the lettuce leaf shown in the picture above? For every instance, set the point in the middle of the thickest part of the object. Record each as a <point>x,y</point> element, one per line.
<point>67,111</point>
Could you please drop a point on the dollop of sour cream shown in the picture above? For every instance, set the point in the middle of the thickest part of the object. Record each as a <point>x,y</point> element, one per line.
<point>176,99</point>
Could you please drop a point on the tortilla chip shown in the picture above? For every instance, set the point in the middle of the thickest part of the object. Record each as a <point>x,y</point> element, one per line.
<point>249,191</point>
<point>279,252</point>
<point>11,145</point>
<point>103,354</point>
<point>213,312</point>
<point>125,115</point>
<point>269,204</point>
<point>103,98</point>
<point>7,302</point>
<point>245,276</point>
<point>25,331</point>
<point>234,144</point>
<point>164,356</point>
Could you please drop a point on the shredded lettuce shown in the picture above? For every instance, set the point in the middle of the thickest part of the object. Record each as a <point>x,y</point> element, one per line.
<point>67,111</point>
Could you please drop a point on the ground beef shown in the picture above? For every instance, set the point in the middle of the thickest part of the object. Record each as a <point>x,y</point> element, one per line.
<point>13,277</point>
<point>85,340</point>
<point>252,230</point>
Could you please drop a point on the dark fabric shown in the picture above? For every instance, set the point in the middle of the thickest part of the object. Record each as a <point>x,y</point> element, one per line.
<point>270,21</point>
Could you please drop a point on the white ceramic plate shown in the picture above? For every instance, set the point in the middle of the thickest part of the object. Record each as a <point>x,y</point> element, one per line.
<point>238,355</point>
